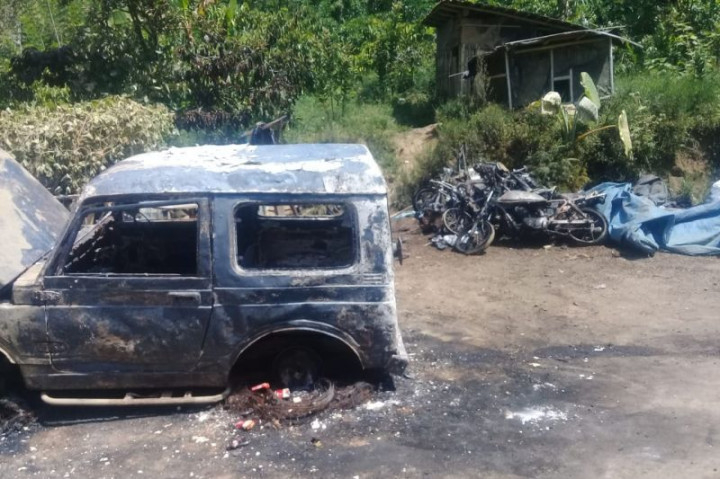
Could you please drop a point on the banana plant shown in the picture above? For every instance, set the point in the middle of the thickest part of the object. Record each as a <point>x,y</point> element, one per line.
<point>586,110</point>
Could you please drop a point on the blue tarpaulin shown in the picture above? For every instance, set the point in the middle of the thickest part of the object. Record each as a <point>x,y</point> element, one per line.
<point>636,221</point>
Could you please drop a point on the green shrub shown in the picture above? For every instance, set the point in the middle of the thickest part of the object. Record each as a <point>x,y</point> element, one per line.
<point>66,145</point>
<point>371,124</point>
<point>414,109</point>
<point>668,115</point>
<point>494,134</point>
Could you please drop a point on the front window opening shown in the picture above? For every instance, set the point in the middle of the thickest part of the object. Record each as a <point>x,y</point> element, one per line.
<point>152,240</point>
<point>294,236</point>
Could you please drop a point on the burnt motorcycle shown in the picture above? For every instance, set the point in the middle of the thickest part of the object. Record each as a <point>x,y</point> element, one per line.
<point>477,233</point>
<point>523,213</point>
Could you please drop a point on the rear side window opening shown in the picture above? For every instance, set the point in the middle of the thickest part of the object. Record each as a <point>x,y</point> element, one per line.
<point>295,236</point>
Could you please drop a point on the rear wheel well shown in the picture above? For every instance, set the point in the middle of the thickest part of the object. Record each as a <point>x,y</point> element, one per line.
<point>338,359</point>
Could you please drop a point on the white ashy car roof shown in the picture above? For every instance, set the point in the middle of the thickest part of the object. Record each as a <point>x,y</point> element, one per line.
<point>232,169</point>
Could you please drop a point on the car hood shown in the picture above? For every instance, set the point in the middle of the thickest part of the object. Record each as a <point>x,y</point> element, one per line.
<point>31,220</point>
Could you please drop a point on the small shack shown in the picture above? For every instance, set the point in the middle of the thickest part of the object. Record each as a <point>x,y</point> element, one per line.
<point>516,57</point>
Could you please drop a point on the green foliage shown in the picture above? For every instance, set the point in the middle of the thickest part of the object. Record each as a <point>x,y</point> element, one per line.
<point>65,145</point>
<point>677,35</point>
<point>249,64</point>
<point>671,116</point>
<point>372,124</point>
<point>359,68</point>
<point>515,139</point>
<point>581,115</point>
<point>414,108</point>
<point>39,24</point>
<point>680,46</point>
<point>226,63</point>
<point>668,113</point>
<point>590,89</point>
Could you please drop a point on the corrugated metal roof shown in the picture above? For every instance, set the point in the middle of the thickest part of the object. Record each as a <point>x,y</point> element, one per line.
<point>450,8</point>
<point>292,169</point>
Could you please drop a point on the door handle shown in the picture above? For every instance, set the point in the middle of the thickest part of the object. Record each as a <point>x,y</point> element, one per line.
<point>185,296</point>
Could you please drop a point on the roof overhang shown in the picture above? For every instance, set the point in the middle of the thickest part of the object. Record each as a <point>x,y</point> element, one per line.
<point>448,9</point>
<point>569,37</point>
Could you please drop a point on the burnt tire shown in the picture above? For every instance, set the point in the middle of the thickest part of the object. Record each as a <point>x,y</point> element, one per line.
<point>455,220</point>
<point>10,378</point>
<point>476,239</point>
<point>596,234</point>
<point>297,368</point>
<point>424,198</point>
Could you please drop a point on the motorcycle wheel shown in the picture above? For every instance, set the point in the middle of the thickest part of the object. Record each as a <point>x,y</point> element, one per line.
<point>596,234</point>
<point>476,239</point>
<point>424,197</point>
<point>456,220</point>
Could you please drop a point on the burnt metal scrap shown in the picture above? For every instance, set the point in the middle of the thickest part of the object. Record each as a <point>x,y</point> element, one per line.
<point>14,416</point>
<point>31,220</point>
<point>179,265</point>
<point>287,406</point>
<point>471,208</point>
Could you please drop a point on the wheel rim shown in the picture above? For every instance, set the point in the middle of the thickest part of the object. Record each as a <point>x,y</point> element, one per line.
<point>297,368</point>
<point>595,233</point>
<point>456,220</point>
<point>426,198</point>
<point>477,239</point>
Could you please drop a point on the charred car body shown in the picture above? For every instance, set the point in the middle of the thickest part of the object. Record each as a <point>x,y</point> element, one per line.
<point>177,265</point>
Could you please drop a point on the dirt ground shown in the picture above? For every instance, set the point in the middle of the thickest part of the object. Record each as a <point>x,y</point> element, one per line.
<point>413,144</point>
<point>526,363</point>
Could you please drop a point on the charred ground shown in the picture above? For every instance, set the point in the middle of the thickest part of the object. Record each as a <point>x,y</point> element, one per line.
<point>527,362</point>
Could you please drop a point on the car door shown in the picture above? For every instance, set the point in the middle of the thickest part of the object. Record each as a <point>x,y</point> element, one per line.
<point>130,288</point>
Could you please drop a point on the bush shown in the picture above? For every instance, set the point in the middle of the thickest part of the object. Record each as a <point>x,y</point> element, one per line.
<point>371,124</point>
<point>66,145</point>
<point>494,134</point>
<point>414,109</point>
<point>670,117</point>
<point>669,113</point>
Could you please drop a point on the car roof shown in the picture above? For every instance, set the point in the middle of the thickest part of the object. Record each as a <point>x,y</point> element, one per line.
<point>227,169</point>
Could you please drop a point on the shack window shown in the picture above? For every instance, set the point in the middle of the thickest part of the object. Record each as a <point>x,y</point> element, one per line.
<point>294,236</point>
<point>136,240</point>
<point>564,88</point>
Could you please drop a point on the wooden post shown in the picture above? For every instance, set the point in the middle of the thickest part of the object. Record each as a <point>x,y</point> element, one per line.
<point>507,78</point>
<point>612,68</point>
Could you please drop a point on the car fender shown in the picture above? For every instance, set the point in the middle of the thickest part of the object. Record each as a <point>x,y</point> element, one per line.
<point>302,325</point>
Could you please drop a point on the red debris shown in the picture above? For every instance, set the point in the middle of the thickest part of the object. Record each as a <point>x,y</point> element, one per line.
<point>245,425</point>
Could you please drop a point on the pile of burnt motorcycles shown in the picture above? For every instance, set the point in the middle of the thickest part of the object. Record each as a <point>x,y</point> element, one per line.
<point>488,201</point>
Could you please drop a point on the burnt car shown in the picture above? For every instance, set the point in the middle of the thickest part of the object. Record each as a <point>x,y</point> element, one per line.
<point>175,268</point>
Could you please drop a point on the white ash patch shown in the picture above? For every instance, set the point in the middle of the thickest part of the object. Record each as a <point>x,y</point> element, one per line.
<point>534,415</point>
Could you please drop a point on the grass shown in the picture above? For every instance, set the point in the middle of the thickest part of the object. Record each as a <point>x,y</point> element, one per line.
<point>368,123</point>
